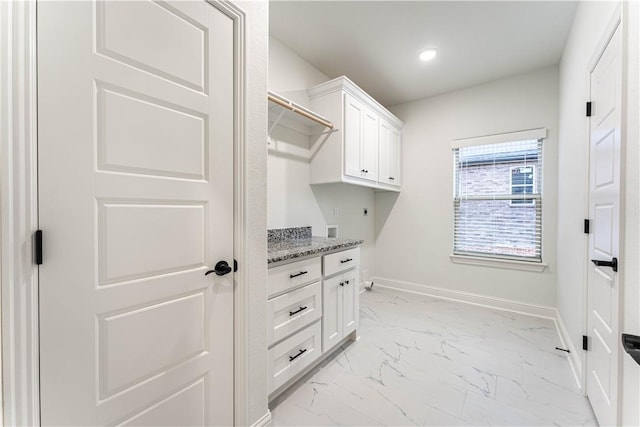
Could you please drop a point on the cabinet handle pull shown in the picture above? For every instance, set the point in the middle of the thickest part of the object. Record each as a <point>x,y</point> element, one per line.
<point>291,276</point>
<point>291,313</point>
<point>391,178</point>
<point>291,358</point>
<point>346,281</point>
<point>341,283</point>
<point>342,261</point>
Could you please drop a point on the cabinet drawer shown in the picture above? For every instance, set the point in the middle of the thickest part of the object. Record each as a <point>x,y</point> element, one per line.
<point>293,355</point>
<point>341,261</point>
<point>293,311</point>
<point>291,275</point>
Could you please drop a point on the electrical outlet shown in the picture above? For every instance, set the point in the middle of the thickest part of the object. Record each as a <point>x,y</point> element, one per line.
<point>365,211</point>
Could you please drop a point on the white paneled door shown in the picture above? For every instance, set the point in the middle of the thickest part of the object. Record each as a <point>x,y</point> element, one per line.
<point>604,240</point>
<point>135,121</point>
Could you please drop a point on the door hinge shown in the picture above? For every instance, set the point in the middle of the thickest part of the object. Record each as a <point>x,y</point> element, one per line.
<point>589,109</point>
<point>587,223</point>
<point>37,244</point>
<point>585,343</point>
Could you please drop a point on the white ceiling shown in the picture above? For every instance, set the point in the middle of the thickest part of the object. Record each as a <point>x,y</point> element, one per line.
<point>375,43</point>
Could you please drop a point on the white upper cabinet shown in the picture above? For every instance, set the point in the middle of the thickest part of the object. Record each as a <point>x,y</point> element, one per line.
<point>365,148</point>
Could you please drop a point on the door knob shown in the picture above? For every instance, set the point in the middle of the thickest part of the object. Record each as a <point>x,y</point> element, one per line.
<point>631,344</point>
<point>613,263</point>
<point>220,269</point>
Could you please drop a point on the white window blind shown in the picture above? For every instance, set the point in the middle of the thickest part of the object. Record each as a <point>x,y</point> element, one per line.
<point>498,199</point>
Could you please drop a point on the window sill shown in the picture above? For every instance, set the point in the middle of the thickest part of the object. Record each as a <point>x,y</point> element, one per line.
<point>537,267</point>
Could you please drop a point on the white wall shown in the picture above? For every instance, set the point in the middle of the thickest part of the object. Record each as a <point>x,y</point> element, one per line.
<point>414,232</point>
<point>588,26</point>
<point>255,280</point>
<point>292,202</point>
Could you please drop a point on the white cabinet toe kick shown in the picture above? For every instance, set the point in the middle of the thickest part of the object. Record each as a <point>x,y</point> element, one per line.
<point>309,315</point>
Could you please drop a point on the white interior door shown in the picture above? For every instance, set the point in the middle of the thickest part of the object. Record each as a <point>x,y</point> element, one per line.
<point>604,211</point>
<point>135,118</point>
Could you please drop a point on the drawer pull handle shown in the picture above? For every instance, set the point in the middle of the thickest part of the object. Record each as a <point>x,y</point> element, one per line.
<point>300,353</point>
<point>346,281</point>
<point>341,283</point>
<point>291,276</point>
<point>291,313</point>
<point>391,178</point>
<point>342,261</point>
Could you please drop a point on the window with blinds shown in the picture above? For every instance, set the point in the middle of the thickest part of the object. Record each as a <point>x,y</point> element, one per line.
<point>498,197</point>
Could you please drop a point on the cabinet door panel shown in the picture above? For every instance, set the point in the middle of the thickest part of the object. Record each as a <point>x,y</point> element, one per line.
<point>394,157</point>
<point>353,117</point>
<point>331,312</point>
<point>383,153</point>
<point>369,146</point>
<point>350,305</point>
<point>389,152</point>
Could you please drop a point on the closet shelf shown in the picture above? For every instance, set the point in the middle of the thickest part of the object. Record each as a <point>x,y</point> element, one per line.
<point>303,131</point>
<point>285,108</point>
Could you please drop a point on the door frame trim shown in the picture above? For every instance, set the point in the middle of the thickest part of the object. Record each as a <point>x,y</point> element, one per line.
<point>614,23</point>
<point>240,217</point>
<point>19,213</point>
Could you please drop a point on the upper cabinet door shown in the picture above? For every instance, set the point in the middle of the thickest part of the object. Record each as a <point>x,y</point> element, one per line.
<point>353,134</point>
<point>394,156</point>
<point>383,152</point>
<point>369,146</point>
<point>389,152</point>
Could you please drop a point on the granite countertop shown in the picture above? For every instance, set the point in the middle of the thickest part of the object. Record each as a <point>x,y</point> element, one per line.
<point>285,244</point>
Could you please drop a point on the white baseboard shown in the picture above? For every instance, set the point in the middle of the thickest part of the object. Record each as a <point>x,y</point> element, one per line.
<point>574,359</point>
<point>469,298</point>
<point>263,420</point>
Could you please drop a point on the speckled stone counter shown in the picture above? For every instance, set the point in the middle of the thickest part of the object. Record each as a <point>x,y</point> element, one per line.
<point>282,247</point>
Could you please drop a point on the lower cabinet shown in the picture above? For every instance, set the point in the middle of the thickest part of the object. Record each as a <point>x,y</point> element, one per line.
<point>313,305</point>
<point>340,308</point>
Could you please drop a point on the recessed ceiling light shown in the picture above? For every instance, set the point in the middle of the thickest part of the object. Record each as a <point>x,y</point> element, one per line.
<point>428,54</point>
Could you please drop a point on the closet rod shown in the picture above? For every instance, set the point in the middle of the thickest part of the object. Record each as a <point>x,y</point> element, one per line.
<point>300,111</point>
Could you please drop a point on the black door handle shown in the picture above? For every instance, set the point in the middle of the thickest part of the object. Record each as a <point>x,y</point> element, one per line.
<point>631,344</point>
<point>613,263</point>
<point>220,269</point>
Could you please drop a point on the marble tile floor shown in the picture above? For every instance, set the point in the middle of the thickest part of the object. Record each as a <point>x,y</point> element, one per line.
<point>426,361</point>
